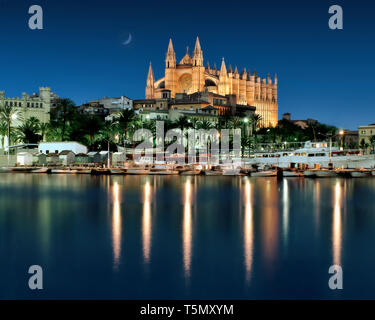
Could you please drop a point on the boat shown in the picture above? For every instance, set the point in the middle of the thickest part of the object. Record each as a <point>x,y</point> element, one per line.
<point>137,171</point>
<point>325,173</point>
<point>42,170</point>
<point>211,172</point>
<point>265,173</point>
<point>84,171</point>
<point>21,169</point>
<point>231,171</point>
<point>309,173</point>
<point>373,172</point>
<point>311,154</point>
<point>190,172</point>
<point>360,173</point>
<point>163,172</point>
<point>117,171</point>
<point>99,171</point>
<point>64,171</point>
<point>293,173</point>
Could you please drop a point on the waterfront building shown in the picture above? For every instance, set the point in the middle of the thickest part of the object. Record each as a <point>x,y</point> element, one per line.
<point>366,135</point>
<point>36,105</point>
<point>197,106</point>
<point>57,147</point>
<point>190,76</point>
<point>24,159</point>
<point>66,157</point>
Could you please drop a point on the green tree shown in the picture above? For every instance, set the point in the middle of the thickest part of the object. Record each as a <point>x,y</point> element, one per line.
<point>9,114</point>
<point>27,132</point>
<point>205,124</point>
<point>182,123</point>
<point>127,121</point>
<point>63,115</point>
<point>3,132</point>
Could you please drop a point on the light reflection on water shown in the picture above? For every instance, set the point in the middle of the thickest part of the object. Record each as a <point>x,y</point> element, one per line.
<point>146,222</point>
<point>187,229</point>
<point>248,229</point>
<point>254,233</point>
<point>116,225</point>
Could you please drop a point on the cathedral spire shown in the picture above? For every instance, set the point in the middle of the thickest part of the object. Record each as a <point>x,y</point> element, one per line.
<point>197,54</point>
<point>170,46</point>
<point>150,72</point>
<point>230,70</point>
<point>244,74</point>
<point>223,69</point>
<point>170,60</point>
<point>150,83</point>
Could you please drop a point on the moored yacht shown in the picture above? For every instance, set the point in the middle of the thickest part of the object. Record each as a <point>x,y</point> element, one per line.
<point>312,154</point>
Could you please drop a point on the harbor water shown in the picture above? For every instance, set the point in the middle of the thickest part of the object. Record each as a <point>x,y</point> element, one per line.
<point>174,237</point>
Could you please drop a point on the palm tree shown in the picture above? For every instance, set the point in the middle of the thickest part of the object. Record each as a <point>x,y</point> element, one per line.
<point>28,131</point>
<point>43,129</point>
<point>205,124</point>
<point>3,132</point>
<point>182,123</point>
<point>125,121</point>
<point>64,113</point>
<point>9,114</point>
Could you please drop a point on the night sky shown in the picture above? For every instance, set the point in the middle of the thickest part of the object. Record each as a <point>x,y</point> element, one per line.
<point>323,74</point>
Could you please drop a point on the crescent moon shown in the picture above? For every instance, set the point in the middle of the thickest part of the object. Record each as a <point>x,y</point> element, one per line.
<point>128,41</point>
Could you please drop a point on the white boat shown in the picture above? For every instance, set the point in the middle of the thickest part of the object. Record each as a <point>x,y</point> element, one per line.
<point>213,172</point>
<point>137,171</point>
<point>292,174</point>
<point>361,173</point>
<point>42,170</point>
<point>313,153</point>
<point>117,171</point>
<point>266,173</point>
<point>325,173</point>
<point>190,173</point>
<point>163,172</point>
<point>63,171</point>
<point>309,173</point>
<point>231,171</point>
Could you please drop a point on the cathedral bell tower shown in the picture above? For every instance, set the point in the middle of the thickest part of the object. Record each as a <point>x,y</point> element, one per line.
<point>197,68</point>
<point>170,69</point>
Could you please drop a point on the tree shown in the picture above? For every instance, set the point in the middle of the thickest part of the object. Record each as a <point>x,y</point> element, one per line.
<point>125,120</point>
<point>64,113</point>
<point>43,129</point>
<point>3,132</point>
<point>205,124</point>
<point>28,131</point>
<point>182,123</point>
<point>9,114</point>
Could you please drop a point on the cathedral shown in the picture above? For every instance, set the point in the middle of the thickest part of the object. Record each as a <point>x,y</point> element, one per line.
<point>191,76</point>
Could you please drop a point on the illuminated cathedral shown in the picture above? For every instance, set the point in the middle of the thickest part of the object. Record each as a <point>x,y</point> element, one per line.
<point>190,76</point>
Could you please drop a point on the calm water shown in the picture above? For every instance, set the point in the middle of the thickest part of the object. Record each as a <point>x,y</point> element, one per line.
<point>138,237</point>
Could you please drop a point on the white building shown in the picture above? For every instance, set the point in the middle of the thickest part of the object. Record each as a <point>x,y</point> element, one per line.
<point>57,147</point>
<point>24,159</point>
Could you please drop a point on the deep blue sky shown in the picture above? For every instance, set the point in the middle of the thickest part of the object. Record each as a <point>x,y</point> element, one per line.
<point>323,74</point>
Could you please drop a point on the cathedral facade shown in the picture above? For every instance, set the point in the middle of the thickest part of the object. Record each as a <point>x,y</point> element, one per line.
<point>190,76</point>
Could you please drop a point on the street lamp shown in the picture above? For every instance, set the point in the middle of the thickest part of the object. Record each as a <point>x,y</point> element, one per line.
<point>342,133</point>
<point>13,117</point>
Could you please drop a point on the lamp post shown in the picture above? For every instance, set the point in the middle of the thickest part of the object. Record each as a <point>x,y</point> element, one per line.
<point>13,117</point>
<point>342,133</point>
